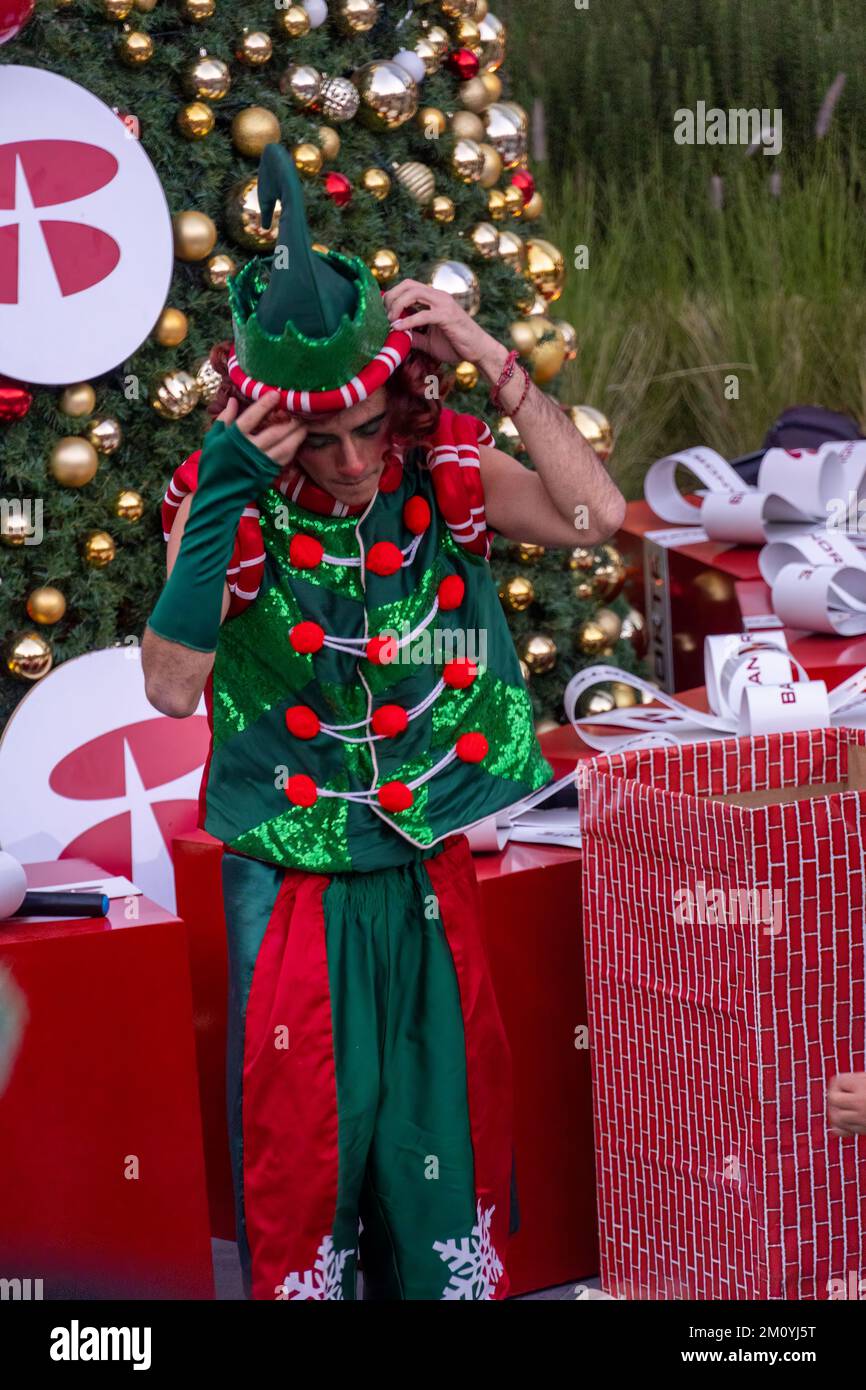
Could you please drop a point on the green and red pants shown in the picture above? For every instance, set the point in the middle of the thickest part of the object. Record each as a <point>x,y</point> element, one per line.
<point>369,1082</point>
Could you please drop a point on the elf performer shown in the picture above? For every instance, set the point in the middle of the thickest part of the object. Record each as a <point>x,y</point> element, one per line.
<point>327,555</point>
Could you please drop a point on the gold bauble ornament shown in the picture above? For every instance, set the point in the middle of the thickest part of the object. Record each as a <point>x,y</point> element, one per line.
<point>194,235</point>
<point>73,461</point>
<point>28,656</point>
<point>145,6</point>
<point>129,505</point>
<point>356,16</point>
<point>512,250</point>
<point>506,427</point>
<point>116,9</point>
<point>475,96</point>
<point>329,141</point>
<point>610,624</point>
<point>624,697</point>
<point>634,631</point>
<point>541,345</point>
<point>432,121</point>
<point>492,171</point>
<point>429,54</point>
<point>480,11</point>
<point>254,49</point>
<point>611,574</point>
<point>135,48</point>
<point>514,201</point>
<point>596,700</point>
<point>528,553</point>
<point>218,270</point>
<point>418,179</point>
<point>465,125</point>
<point>491,46</point>
<point>524,670</point>
<point>539,652</point>
<point>467,161</point>
<point>207,79</point>
<point>294,22</point>
<point>442,209</point>
<point>493,87</point>
<point>15,526</point>
<point>171,327</point>
<point>253,128</point>
<point>545,267</point>
<point>207,379</point>
<point>195,120</point>
<point>339,98</point>
<point>198,10</point>
<point>532,303</point>
<point>384,265</point>
<point>308,159</point>
<point>518,594</point>
<point>105,434</point>
<point>595,428</point>
<point>534,208</point>
<point>244,217</point>
<point>496,204</point>
<point>46,605</point>
<point>581,558</point>
<point>389,97</point>
<point>460,281</point>
<point>714,587</point>
<point>376,182</point>
<point>302,83</point>
<point>468,35</point>
<point>507,131</point>
<point>523,337</point>
<point>569,337</point>
<point>591,638</point>
<point>485,238</point>
<point>457,9</point>
<point>77,400</point>
<point>466,375</point>
<point>99,549</point>
<point>174,394</point>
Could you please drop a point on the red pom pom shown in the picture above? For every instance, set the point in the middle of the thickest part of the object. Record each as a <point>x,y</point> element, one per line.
<point>390,720</point>
<point>460,674</point>
<point>302,722</point>
<point>395,796</point>
<point>301,790</point>
<point>392,474</point>
<point>464,64</point>
<point>385,558</point>
<point>472,748</point>
<point>451,592</point>
<point>382,650</point>
<point>305,552</point>
<point>338,189</point>
<point>416,515</point>
<point>523,180</point>
<point>307,638</point>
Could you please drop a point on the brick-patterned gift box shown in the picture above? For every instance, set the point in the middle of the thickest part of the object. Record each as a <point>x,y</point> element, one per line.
<point>724,948</point>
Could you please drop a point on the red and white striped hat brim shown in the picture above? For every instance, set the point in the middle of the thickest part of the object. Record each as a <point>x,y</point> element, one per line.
<point>383,366</point>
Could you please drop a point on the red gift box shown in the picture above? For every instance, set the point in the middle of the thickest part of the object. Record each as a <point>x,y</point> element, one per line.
<point>725,970</point>
<point>101,1164</point>
<point>531,901</point>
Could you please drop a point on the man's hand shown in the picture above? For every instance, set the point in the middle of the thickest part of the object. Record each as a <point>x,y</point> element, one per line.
<point>437,323</point>
<point>275,433</point>
<point>846,1103</point>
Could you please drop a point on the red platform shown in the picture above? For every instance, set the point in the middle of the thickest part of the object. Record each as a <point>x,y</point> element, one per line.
<point>531,901</point>
<point>101,1164</point>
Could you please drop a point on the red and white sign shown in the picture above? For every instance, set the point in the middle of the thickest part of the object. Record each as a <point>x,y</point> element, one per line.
<point>90,770</point>
<point>86,252</point>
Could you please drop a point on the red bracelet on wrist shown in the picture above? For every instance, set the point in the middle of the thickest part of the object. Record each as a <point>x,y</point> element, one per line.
<point>527,381</point>
<point>504,377</point>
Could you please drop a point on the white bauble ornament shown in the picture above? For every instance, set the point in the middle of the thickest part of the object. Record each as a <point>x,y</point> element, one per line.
<point>13,885</point>
<point>317,10</point>
<point>408,59</point>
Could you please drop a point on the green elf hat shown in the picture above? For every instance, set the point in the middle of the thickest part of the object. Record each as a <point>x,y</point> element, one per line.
<point>308,324</point>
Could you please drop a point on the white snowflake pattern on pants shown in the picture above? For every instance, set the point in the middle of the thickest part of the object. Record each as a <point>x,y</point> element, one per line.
<point>475,1266</point>
<point>323,1281</point>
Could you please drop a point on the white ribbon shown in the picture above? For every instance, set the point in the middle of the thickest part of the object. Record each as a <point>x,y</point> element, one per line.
<point>754,686</point>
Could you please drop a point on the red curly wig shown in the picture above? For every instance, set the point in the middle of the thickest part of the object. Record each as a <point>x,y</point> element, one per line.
<point>413,413</point>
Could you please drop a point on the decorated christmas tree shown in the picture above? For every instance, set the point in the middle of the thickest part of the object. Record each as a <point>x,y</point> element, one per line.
<point>399,120</point>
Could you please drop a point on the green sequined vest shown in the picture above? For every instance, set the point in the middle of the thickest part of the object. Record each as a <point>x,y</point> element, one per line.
<point>258,675</point>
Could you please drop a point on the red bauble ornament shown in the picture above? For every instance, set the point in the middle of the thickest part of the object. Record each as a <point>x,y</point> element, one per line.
<point>381,650</point>
<point>307,638</point>
<point>522,179</point>
<point>15,399</point>
<point>14,14</point>
<point>472,748</point>
<point>305,552</point>
<point>338,189</point>
<point>459,675</point>
<point>301,790</point>
<point>451,592</point>
<point>395,796</point>
<point>416,515</point>
<point>463,63</point>
<point>302,721</point>
<point>390,720</point>
<point>385,558</point>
